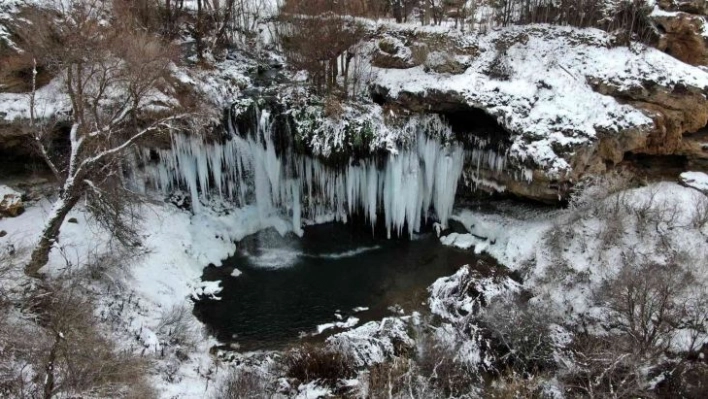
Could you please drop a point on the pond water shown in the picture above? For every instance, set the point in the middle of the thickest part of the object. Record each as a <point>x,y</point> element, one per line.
<point>290,285</point>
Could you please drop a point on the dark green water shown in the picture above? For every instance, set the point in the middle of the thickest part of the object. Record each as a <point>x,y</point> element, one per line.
<point>290,285</point>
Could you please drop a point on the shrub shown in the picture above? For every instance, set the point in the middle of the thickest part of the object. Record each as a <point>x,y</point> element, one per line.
<point>396,378</point>
<point>310,363</point>
<point>513,386</point>
<point>648,303</point>
<point>520,337</point>
<point>246,384</point>
<point>604,369</point>
<point>54,347</point>
<point>443,370</point>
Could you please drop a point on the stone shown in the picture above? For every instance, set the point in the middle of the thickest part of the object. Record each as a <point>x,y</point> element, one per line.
<point>392,53</point>
<point>683,37</point>
<point>10,202</point>
<point>699,7</point>
<point>440,62</point>
<point>72,220</point>
<point>697,180</point>
<point>3,233</point>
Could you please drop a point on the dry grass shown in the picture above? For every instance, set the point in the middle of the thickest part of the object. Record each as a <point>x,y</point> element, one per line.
<point>310,363</point>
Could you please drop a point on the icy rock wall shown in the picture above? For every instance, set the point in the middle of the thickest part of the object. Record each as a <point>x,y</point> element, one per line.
<point>412,185</point>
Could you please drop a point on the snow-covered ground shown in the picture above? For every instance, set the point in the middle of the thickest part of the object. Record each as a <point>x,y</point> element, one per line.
<point>177,247</point>
<point>566,256</point>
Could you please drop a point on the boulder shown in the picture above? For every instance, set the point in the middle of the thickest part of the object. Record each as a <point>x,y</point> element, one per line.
<point>697,180</point>
<point>392,53</point>
<point>699,7</point>
<point>683,37</point>
<point>10,202</point>
<point>440,62</point>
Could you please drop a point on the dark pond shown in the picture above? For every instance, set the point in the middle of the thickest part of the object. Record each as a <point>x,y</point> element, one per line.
<point>290,285</point>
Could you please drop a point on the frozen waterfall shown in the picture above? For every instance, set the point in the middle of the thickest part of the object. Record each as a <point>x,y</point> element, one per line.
<point>403,190</point>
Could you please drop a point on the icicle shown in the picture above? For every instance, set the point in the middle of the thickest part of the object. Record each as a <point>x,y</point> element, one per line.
<point>413,185</point>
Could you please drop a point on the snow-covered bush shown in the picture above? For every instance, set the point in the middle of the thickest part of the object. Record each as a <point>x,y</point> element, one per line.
<point>445,363</point>
<point>314,363</point>
<point>52,346</point>
<point>246,384</point>
<point>521,337</point>
<point>397,379</point>
<point>651,304</point>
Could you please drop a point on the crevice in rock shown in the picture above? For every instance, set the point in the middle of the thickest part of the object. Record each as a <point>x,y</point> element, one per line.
<point>473,126</point>
<point>656,166</point>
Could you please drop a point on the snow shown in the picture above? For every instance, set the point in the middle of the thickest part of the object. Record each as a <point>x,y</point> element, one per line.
<point>313,390</point>
<point>49,101</point>
<point>457,297</point>
<point>412,181</point>
<point>9,197</point>
<point>372,342</point>
<point>697,180</point>
<point>565,256</point>
<point>349,323</point>
<point>462,241</point>
<point>546,102</point>
<point>208,289</point>
<point>178,246</point>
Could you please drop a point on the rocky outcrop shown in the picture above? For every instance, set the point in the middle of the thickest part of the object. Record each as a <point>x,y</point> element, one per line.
<point>683,29</point>
<point>675,111</point>
<point>393,53</point>
<point>683,37</point>
<point>564,109</point>
<point>689,6</point>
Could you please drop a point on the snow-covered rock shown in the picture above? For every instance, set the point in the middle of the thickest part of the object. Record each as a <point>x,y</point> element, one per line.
<point>463,294</point>
<point>373,342</point>
<point>570,100</point>
<point>10,202</point>
<point>697,180</point>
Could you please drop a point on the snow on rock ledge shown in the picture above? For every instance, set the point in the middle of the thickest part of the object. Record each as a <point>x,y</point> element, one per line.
<point>697,180</point>
<point>547,85</point>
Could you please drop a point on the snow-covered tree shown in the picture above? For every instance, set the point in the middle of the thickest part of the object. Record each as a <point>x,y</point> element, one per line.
<point>111,77</point>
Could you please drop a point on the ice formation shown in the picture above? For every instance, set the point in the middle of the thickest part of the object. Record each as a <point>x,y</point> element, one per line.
<point>403,190</point>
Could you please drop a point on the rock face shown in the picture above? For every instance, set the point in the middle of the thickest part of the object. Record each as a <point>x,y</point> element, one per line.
<point>10,202</point>
<point>568,105</point>
<point>683,37</point>
<point>683,27</point>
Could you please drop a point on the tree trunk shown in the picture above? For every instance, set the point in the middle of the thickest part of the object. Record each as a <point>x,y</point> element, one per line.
<point>398,11</point>
<point>49,369</point>
<point>198,32</point>
<point>40,254</point>
<point>347,61</point>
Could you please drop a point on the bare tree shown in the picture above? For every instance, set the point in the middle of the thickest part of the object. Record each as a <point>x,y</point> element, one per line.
<point>329,57</point>
<point>649,304</point>
<point>111,77</point>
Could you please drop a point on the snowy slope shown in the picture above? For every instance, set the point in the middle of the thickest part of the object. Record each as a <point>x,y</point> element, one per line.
<point>566,256</point>
<point>178,246</point>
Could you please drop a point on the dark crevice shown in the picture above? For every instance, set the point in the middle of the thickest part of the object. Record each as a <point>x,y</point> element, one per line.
<point>472,124</point>
<point>656,166</point>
